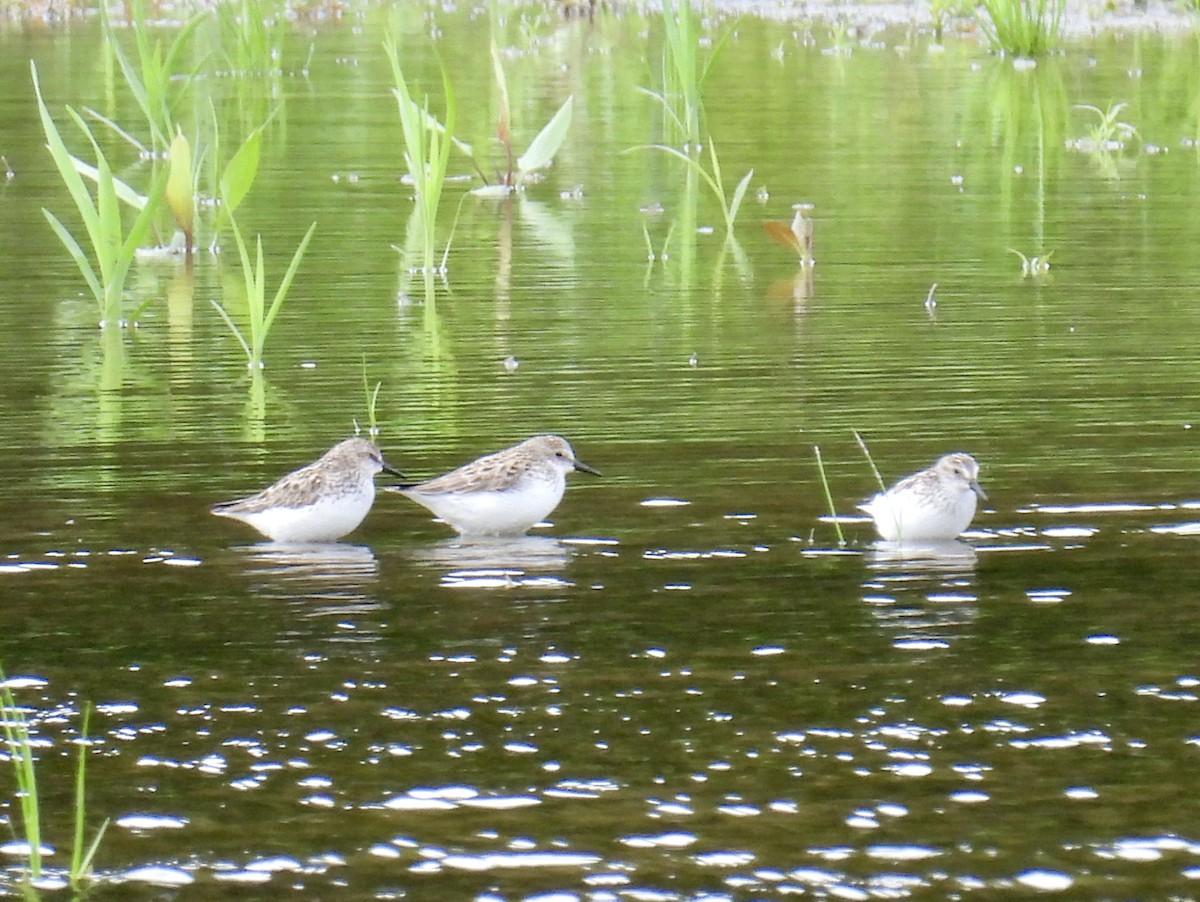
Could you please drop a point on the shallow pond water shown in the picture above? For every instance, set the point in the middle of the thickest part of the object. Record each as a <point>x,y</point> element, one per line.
<point>684,688</point>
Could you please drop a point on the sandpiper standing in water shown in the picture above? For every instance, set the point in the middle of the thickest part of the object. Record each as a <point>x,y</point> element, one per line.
<point>318,503</point>
<point>932,505</point>
<point>501,494</point>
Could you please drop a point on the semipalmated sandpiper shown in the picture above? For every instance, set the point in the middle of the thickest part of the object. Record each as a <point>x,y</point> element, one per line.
<point>502,494</point>
<point>937,503</point>
<point>317,503</point>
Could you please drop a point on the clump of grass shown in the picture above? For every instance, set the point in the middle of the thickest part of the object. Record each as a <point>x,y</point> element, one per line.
<point>426,155</point>
<point>153,81</point>
<point>18,739</point>
<point>682,75</point>
<point>113,249</point>
<point>1033,266</point>
<point>251,36</point>
<point>20,752</point>
<point>730,203</point>
<point>1023,28</point>
<point>260,316</point>
<point>541,150</point>
<point>1110,132</point>
<point>833,516</point>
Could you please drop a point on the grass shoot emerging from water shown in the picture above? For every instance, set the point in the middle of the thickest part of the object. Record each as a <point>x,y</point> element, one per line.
<point>20,754</point>
<point>870,460</point>
<point>372,397</point>
<point>1022,28</point>
<point>1033,266</point>
<point>426,154</point>
<point>541,150</point>
<point>113,250</point>
<point>833,515</point>
<point>260,317</point>
<point>153,81</point>
<point>1109,133</point>
<point>730,203</point>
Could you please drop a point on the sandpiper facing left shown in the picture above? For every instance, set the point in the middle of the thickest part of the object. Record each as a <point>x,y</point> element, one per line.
<point>935,504</point>
<point>501,494</point>
<point>318,503</point>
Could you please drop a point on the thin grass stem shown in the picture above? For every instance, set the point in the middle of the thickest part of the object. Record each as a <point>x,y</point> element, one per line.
<point>833,514</point>
<point>866,451</point>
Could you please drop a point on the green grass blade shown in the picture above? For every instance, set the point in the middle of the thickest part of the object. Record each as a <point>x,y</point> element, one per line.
<point>284,285</point>
<point>870,461</point>
<point>16,734</point>
<point>127,194</point>
<point>829,497</point>
<point>80,797</point>
<point>735,204</point>
<point>120,132</point>
<point>64,162</point>
<point>133,79</point>
<point>233,327</point>
<point>80,258</point>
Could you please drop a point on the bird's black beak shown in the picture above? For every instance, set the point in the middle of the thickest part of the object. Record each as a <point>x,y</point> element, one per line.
<point>388,468</point>
<point>584,468</point>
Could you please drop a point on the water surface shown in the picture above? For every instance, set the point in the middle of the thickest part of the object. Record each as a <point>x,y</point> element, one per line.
<point>683,688</point>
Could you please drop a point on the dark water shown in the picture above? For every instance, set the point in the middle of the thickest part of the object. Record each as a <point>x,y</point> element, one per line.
<point>706,699</point>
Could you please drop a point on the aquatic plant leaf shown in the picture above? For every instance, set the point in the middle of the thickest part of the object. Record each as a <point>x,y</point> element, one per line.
<point>180,197</point>
<point>548,141</point>
<point>240,172</point>
<point>781,233</point>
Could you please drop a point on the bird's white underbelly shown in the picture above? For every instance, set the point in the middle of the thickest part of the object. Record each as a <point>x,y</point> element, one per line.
<point>490,513</point>
<point>904,518</point>
<point>325,520</point>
